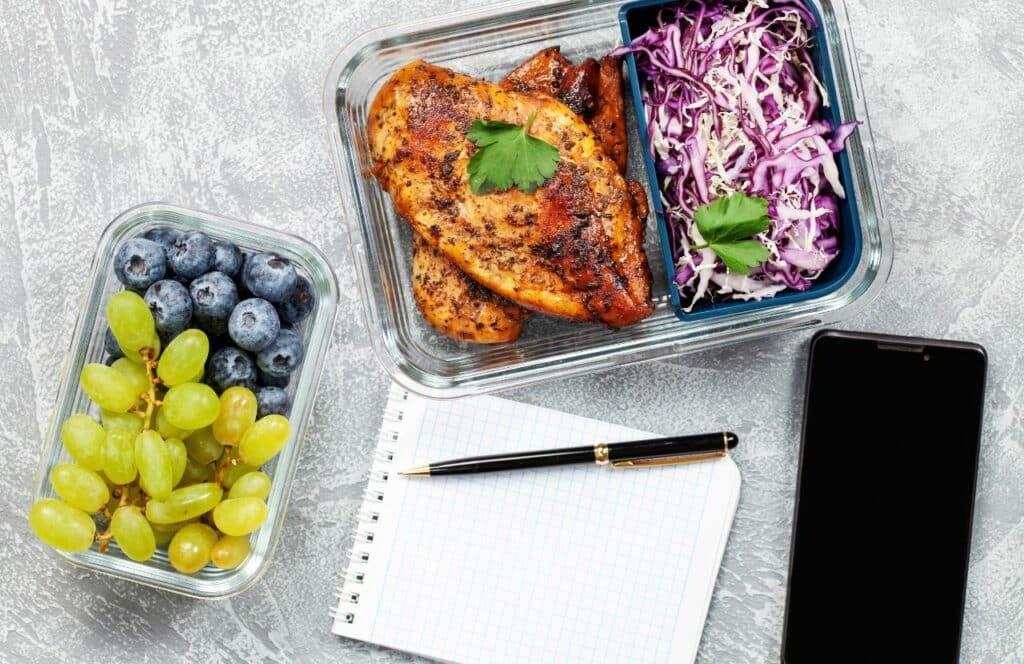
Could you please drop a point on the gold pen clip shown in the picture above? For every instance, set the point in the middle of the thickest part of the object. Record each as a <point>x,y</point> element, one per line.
<point>675,460</point>
<point>668,461</point>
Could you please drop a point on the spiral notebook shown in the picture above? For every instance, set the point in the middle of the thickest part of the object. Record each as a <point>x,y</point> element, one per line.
<point>567,564</point>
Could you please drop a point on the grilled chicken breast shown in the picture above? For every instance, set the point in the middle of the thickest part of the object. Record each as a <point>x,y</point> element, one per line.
<point>551,73</point>
<point>479,315</point>
<point>609,118</point>
<point>446,296</point>
<point>573,248</point>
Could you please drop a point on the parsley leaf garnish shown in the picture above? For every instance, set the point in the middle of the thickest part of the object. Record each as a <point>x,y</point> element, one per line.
<point>509,157</point>
<point>726,225</point>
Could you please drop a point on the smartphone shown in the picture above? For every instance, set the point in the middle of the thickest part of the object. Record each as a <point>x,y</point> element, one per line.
<point>885,497</point>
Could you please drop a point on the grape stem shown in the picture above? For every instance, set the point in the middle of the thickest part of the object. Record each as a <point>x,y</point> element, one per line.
<point>104,539</point>
<point>226,461</point>
<point>149,397</point>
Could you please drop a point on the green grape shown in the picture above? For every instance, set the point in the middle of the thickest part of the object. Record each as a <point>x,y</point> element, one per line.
<point>119,456</point>
<point>110,389</point>
<point>62,526</point>
<point>185,503</point>
<point>240,516</point>
<point>237,413</point>
<point>264,439</point>
<point>133,533</point>
<point>191,406</point>
<point>154,464</point>
<point>234,472</point>
<point>189,550</point>
<point>184,357</point>
<point>179,459</point>
<point>128,422</point>
<point>136,373</point>
<point>163,532</point>
<point>166,429</point>
<point>138,357</point>
<point>255,485</point>
<point>195,473</point>
<point>229,552</point>
<point>130,320</point>
<point>80,487</point>
<point>84,438</point>
<point>202,447</point>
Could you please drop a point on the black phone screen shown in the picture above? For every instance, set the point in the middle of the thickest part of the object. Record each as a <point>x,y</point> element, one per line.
<point>882,526</point>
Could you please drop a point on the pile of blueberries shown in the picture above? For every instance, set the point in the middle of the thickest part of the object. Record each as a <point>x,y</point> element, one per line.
<point>247,304</point>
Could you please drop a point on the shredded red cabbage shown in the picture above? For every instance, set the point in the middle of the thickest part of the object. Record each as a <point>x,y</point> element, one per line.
<point>733,104</point>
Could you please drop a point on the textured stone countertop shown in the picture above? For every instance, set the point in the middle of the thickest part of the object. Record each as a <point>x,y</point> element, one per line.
<point>217,106</point>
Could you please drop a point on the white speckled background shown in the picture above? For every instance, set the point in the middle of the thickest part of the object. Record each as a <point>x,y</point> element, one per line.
<point>107,103</point>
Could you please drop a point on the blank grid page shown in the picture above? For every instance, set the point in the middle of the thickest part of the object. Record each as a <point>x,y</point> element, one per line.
<point>568,564</point>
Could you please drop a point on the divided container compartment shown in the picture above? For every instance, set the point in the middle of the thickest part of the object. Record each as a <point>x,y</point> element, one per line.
<point>488,43</point>
<point>634,19</point>
<point>87,346</point>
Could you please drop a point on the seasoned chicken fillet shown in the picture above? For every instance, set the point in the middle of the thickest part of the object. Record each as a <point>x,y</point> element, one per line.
<point>480,315</point>
<point>573,248</point>
<point>550,72</point>
<point>455,304</point>
<point>609,119</point>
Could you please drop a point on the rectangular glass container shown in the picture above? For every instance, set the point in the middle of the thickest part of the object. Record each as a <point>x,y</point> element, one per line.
<point>488,43</point>
<point>87,346</point>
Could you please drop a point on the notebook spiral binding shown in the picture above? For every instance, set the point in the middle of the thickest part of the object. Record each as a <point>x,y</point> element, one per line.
<point>368,515</point>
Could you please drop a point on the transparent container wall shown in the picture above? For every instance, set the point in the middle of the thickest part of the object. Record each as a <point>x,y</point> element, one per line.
<point>488,44</point>
<point>87,346</point>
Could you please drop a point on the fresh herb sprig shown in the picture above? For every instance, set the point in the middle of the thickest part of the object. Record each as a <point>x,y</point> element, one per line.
<point>509,157</point>
<point>727,223</point>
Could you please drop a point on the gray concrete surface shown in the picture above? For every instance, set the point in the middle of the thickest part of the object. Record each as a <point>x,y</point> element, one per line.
<point>216,105</point>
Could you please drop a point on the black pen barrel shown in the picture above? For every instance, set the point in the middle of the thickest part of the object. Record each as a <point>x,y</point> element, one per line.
<point>670,447</point>
<point>518,461</point>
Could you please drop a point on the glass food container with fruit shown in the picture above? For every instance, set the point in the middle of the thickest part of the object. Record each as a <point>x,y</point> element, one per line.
<point>204,461</point>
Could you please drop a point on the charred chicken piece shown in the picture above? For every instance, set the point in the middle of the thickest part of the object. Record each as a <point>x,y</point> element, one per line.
<point>458,306</point>
<point>573,248</point>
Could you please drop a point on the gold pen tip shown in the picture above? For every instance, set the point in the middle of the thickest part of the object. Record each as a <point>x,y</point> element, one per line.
<point>416,471</point>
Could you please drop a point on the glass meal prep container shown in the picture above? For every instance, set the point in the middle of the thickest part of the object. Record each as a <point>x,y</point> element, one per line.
<point>487,43</point>
<point>87,346</point>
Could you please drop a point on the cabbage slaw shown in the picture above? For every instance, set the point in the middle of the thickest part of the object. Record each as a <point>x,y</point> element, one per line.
<point>733,104</point>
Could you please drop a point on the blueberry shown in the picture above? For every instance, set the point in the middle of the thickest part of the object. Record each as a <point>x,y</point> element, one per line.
<point>267,380</point>
<point>254,324</point>
<point>299,304</point>
<point>192,255</point>
<point>214,296</point>
<point>226,258</point>
<point>229,367</point>
<point>171,307</point>
<point>269,276</point>
<point>283,355</point>
<point>111,346</point>
<point>140,262</point>
<point>165,236</point>
<point>272,401</point>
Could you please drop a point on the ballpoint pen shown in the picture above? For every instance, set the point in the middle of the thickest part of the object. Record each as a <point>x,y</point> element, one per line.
<point>634,454</point>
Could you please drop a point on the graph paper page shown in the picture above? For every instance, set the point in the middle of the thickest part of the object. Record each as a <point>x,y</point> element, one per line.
<point>567,564</point>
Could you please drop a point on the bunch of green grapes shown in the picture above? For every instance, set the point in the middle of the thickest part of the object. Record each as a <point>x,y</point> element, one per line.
<point>171,463</point>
